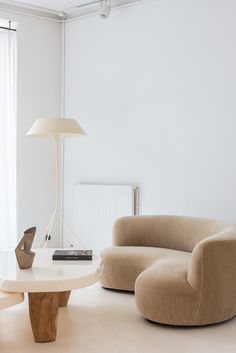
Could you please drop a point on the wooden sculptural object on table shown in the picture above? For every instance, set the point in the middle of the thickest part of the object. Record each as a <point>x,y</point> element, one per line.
<point>24,255</point>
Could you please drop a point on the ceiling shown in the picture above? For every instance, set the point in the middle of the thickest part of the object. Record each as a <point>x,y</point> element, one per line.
<point>52,8</point>
<point>55,5</point>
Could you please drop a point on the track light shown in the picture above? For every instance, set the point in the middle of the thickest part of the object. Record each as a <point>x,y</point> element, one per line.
<point>105,9</point>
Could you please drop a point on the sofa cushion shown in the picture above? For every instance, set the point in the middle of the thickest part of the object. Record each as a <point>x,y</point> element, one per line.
<point>123,264</point>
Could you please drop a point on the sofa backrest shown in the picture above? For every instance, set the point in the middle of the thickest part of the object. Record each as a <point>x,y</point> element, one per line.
<point>173,232</point>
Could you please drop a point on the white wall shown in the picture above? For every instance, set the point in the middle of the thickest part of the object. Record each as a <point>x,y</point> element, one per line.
<point>39,94</point>
<point>154,87</point>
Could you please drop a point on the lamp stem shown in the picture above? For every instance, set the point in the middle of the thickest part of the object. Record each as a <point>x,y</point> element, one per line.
<point>57,172</point>
<point>57,198</point>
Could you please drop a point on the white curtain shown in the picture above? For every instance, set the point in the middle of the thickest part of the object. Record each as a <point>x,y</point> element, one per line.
<point>8,236</point>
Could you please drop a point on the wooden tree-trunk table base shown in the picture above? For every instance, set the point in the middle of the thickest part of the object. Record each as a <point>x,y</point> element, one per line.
<point>64,298</point>
<point>43,312</point>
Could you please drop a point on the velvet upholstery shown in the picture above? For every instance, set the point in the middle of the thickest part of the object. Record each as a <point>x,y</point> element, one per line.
<point>182,269</point>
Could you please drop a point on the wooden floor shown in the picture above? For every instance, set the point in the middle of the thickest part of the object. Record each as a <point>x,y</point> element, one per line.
<point>97,320</point>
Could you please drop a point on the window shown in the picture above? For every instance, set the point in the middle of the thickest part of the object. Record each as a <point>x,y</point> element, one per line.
<point>8,235</point>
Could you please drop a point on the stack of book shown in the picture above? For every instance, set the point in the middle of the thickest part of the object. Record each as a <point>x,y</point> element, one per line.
<point>72,255</point>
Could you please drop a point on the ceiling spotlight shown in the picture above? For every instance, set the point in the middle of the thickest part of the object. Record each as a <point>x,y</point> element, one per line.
<point>62,15</point>
<point>105,9</point>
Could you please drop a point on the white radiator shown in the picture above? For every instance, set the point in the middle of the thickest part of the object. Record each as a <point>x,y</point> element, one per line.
<point>96,209</point>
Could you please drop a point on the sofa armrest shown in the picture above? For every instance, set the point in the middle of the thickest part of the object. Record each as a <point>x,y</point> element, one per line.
<point>213,262</point>
<point>211,273</point>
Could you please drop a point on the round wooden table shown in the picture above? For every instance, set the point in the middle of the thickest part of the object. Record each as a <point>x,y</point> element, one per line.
<point>48,284</point>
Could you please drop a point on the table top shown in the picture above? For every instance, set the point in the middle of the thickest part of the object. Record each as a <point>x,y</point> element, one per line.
<point>47,275</point>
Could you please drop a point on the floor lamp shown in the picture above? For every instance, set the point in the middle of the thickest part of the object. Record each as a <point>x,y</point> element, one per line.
<point>56,128</point>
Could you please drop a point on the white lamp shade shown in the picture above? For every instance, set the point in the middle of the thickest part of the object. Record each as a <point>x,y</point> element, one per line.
<point>55,127</point>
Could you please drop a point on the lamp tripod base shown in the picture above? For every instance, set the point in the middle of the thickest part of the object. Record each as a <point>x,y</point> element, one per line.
<point>47,233</point>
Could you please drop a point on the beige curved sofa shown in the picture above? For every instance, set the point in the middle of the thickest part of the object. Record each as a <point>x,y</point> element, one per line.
<point>182,269</point>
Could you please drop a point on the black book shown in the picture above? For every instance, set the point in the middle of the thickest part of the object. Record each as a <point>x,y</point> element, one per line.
<point>72,255</point>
